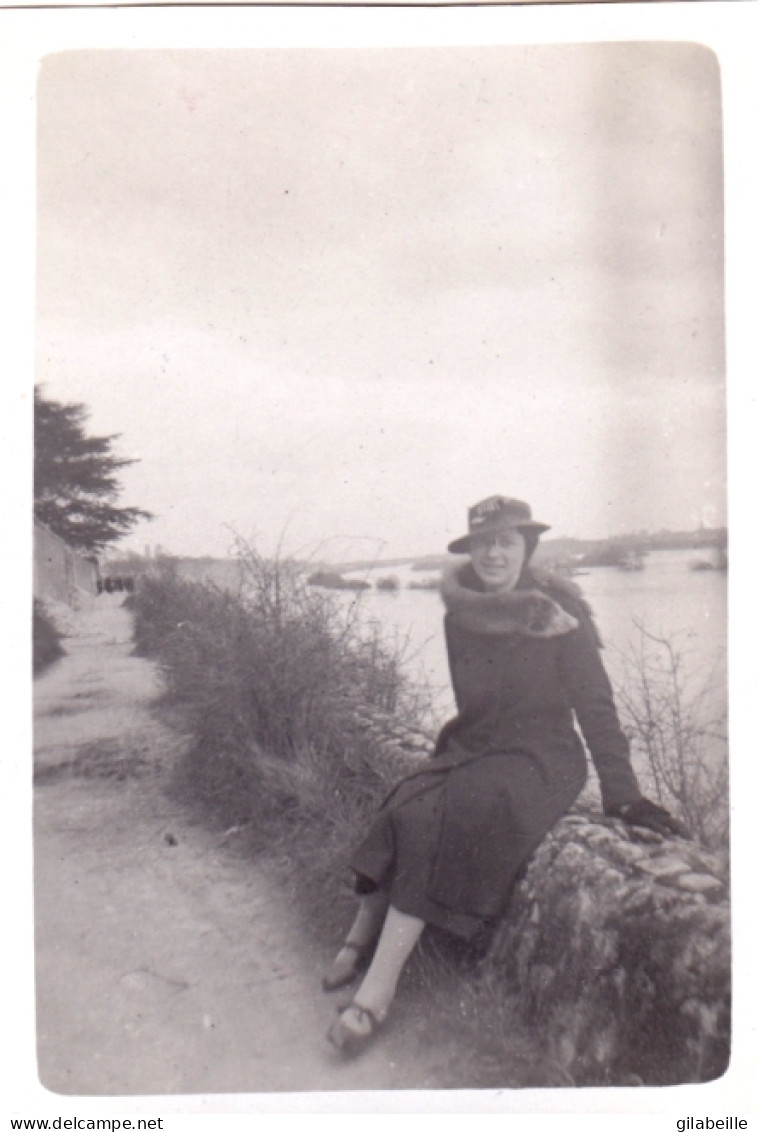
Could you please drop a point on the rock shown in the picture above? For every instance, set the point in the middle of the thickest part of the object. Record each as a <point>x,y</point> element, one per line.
<point>638,959</point>
<point>699,882</point>
<point>662,867</point>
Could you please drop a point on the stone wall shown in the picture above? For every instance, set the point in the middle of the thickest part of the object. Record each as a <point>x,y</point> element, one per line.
<point>60,574</point>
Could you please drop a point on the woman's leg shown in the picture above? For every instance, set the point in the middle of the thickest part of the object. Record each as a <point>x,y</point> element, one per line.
<point>367,924</point>
<point>357,1023</point>
<point>399,936</point>
<point>364,930</point>
<point>369,919</point>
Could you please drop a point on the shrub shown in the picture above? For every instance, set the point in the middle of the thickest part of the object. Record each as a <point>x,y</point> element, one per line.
<point>678,735</point>
<point>279,684</point>
<point>46,646</point>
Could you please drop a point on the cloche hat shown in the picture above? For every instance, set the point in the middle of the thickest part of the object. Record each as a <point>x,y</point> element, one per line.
<point>496,513</point>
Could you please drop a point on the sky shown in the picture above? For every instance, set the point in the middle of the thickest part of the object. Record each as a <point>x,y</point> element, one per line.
<point>330,299</point>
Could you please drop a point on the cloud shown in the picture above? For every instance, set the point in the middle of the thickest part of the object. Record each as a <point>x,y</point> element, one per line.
<point>349,280</point>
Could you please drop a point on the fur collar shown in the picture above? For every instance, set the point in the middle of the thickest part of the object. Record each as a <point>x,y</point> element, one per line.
<point>527,611</point>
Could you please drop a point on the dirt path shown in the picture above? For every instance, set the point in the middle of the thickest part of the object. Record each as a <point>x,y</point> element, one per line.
<point>165,964</point>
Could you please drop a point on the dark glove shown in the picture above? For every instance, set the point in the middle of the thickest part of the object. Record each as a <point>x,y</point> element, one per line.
<point>648,814</point>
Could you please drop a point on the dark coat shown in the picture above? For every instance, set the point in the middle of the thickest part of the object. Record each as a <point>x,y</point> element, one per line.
<point>503,771</point>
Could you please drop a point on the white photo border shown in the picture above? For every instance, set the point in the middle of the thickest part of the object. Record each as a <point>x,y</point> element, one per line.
<point>731,31</point>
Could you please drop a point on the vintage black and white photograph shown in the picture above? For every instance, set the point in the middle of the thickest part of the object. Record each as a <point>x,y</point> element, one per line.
<point>380,569</point>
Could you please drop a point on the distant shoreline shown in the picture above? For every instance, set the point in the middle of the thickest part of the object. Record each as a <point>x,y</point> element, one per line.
<point>638,542</point>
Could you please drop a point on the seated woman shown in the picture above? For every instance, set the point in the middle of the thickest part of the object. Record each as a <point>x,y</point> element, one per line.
<point>451,837</point>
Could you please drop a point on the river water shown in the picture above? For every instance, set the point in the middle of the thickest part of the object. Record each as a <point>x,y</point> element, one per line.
<point>667,598</point>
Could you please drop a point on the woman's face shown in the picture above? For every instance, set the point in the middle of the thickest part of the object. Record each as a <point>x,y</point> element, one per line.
<point>498,558</point>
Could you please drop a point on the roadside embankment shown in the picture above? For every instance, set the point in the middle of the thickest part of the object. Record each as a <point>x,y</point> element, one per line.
<point>615,952</point>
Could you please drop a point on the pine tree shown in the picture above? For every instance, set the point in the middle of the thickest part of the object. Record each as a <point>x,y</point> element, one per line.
<point>76,478</point>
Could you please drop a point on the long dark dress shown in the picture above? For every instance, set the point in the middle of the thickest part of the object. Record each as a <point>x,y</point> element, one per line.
<point>450,839</point>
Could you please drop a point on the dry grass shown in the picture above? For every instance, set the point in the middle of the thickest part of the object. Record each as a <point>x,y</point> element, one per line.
<point>273,680</point>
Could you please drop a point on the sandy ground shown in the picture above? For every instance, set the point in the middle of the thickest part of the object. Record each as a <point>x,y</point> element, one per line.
<point>165,963</point>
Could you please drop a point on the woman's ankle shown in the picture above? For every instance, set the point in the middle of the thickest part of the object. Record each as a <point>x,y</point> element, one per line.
<point>378,1007</point>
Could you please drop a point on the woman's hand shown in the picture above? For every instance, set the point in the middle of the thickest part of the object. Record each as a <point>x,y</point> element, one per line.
<point>646,813</point>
